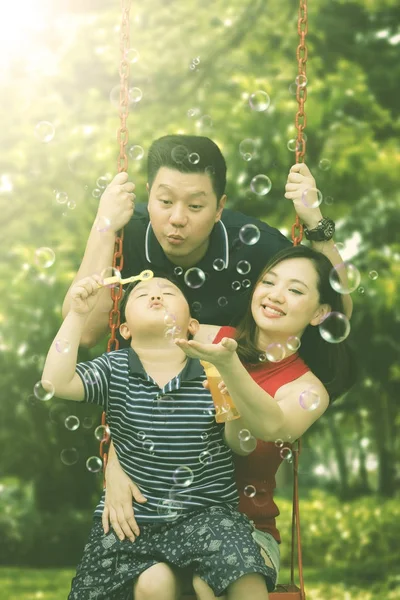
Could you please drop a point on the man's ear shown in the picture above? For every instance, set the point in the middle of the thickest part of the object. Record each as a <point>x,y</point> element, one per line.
<point>193,326</point>
<point>221,206</point>
<point>125,331</point>
<point>320,314</point>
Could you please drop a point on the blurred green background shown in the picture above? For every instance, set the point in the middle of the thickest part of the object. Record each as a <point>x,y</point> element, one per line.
<point>196,65</point>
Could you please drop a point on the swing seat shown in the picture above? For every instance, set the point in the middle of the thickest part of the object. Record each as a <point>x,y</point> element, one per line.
<point>282,592</point>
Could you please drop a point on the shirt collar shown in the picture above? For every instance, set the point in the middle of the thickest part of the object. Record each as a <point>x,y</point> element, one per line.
<point>217,248</point>
<point>191,370</point>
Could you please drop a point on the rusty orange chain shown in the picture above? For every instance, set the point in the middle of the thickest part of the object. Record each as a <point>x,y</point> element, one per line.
<point>114,319</point>
<point>301,96</point>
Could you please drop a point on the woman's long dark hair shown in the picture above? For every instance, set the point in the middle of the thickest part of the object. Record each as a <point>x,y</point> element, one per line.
<point>333,364</point>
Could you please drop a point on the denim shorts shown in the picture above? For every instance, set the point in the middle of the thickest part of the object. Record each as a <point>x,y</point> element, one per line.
<point>217,542</point>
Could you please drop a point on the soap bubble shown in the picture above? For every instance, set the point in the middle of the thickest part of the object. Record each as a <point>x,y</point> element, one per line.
<point>62,346</point>
<point>334,328</point>
<point>132,55</point>
<point>92,376</point>
<point>219,264</point>
<point>88,422</point>
<point>204,435</point>
<point>69,456</point>
<point>102,224</point>
<point>286,454</point>
<point>250,491</point>
<point>205,122</point>
<point>148,445</point>
<point>275,352</point>
<point>44,257</point>
<point>183,476</point>
<point>248,445</point>
<point>44,131</point>
<point>293,343</point>
<point>193,112</point>
<point>72,423</point>
<point>260,185</point>
<point>301,80</point>
<point>135,94</point>
<point>180,154</point>
<point>102,432</point>
<point>259,101</point>
<point>324,164</point>
<point>309,399</point>
<point>279,443</point>
<point>361,290</point>
<point>103,182</point>
<point>61,197</point>
<point>169,319</point>
<point>312,198</point>
<point>165,404</point>
<point>246,283</point>
<point>110,272</point>
<point>243,267</point>
<point>329,200</point>
<point>373,275</point>
<point>205,457</point>
<point>97,192</point>
<point>346,271</point>
<point>244,435</point>
<point>94,464</point>
<point>178,271</point>
<point>222,301</point>
<point>249,234</point>
<point>169,509</point>
<point>71,204</point>
<point>136,152</point>
<point>44,393</point>
<point>196,306</point>
<point>247,148</point>
<point>194,278</point>
<point>194,158</point>
<point>141,436</point>
<point>236,285</point>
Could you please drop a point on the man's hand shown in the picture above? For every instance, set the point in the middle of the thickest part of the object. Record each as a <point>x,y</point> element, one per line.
<point>117,203</point>
<point>216,354</point>
<point>302,189</point>
<point>84,295</point>
<point>118,509</point>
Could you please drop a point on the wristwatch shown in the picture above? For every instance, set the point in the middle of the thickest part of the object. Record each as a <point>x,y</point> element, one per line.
<point>322,232</point>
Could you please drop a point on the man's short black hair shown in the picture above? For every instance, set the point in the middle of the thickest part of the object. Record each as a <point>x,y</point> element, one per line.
<point>131,286</point>
<point>188,154</point>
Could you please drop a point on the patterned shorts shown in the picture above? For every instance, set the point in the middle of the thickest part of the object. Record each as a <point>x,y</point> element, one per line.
<point>216,542</point>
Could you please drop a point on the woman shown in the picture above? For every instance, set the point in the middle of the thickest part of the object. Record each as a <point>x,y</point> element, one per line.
<point>281,374</point>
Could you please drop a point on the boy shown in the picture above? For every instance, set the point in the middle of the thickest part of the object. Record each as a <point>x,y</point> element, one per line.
<point>162,423</point>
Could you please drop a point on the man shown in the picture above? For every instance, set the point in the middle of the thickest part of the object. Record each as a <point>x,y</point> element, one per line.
<point>186,230</point>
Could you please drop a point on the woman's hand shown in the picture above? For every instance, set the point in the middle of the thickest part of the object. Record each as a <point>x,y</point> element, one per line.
<point>302,190</point>
<point>216,354</point>
<point>118,508</point>
<point>221,386</point>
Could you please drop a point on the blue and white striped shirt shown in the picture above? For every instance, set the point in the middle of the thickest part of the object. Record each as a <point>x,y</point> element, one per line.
<point>166,439</point>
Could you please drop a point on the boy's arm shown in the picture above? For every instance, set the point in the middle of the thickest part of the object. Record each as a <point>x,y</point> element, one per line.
<point>115,210</point>
<point>59,373</point>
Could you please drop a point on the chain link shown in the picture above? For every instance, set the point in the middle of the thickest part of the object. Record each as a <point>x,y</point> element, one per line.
<point>301,96</point>
<point>114,319</point>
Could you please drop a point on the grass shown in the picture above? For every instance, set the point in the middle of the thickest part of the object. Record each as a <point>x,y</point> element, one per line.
<point>54,584</point>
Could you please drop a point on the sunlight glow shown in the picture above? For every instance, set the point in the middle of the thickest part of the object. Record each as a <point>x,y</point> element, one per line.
<point>20,23</point>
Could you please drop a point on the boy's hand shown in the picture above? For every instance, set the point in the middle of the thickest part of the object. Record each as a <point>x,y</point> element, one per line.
<point>117,202</point>
<point>84,294</point>
<point>118,509</point>
<point>216,354</point>
<point>302,189</point>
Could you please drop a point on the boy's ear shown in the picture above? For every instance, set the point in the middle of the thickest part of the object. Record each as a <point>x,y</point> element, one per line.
<point>193,326</point>
<point>125,331</point>
<point>320,314</point>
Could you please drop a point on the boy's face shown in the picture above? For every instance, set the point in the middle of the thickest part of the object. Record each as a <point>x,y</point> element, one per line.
<point>152,306</point>
<point>183,210</point>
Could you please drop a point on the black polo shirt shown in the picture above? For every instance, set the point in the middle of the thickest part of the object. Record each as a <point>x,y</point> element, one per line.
<point>223,298</point>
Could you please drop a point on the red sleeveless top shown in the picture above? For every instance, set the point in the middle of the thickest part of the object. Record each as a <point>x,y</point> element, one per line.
<point>259,468</point>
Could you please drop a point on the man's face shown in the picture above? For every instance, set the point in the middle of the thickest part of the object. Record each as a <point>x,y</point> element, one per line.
<point>183,210</point>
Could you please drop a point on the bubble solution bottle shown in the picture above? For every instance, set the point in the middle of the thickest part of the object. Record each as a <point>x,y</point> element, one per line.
<point>225,410</point>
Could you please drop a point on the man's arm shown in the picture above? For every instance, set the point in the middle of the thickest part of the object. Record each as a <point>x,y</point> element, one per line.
<point>115,210</point>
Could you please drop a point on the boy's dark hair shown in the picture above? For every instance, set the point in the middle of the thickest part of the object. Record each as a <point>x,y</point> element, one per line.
<point>131,286</point>
<point>333,364</point>
<point>179,152</point>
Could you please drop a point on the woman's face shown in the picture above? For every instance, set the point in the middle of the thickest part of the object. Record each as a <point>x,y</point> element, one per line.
<point>287,300</point>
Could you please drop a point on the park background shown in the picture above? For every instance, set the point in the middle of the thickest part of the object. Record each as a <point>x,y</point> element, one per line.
<point>196,64</point>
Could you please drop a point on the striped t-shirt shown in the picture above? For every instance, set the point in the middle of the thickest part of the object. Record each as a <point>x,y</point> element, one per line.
<point>166,439</point>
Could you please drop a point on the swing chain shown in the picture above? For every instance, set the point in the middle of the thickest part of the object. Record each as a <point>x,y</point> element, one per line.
<point>301,97</point>
<point>114,319</point>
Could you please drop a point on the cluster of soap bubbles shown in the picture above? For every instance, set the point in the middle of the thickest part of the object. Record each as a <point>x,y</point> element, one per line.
<point>194,63</point>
